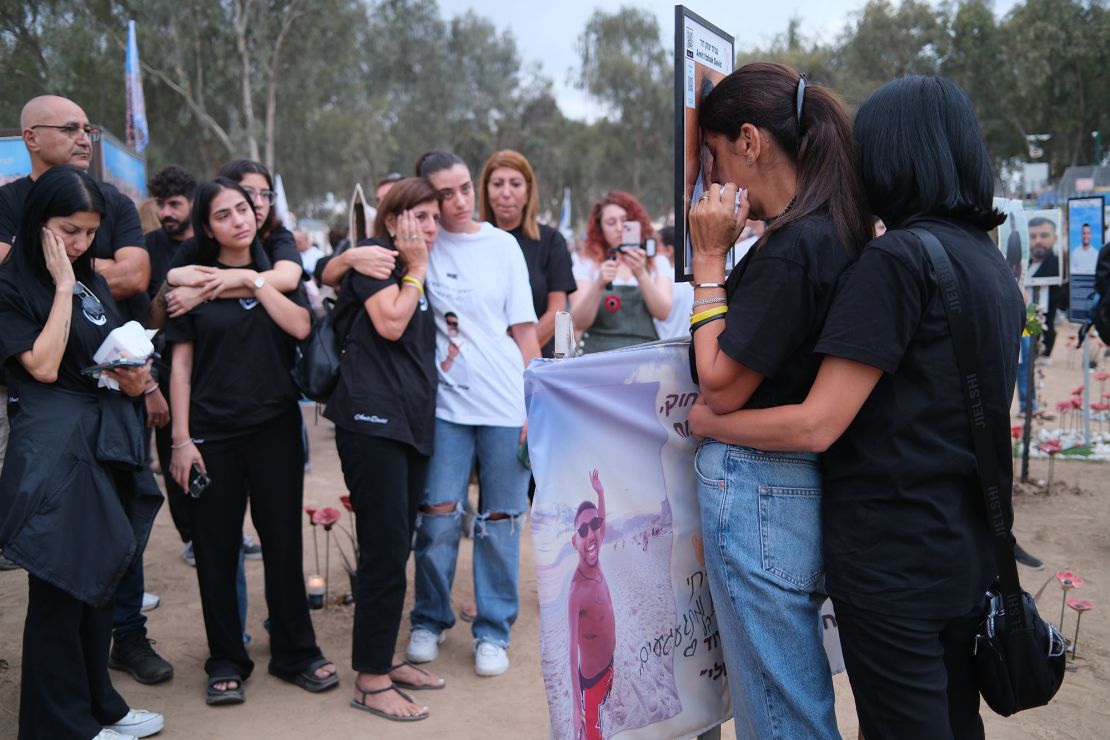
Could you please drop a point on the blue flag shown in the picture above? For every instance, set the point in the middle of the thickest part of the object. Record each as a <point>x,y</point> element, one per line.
<point>138,135</point>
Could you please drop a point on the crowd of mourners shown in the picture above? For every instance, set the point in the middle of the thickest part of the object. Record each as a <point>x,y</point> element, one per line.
<point>836,456</point>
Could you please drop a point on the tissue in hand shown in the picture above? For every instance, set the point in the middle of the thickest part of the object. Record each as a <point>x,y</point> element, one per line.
<point>130,340</point>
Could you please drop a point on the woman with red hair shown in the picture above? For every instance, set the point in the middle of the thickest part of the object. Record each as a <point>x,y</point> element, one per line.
<point>620,288</point>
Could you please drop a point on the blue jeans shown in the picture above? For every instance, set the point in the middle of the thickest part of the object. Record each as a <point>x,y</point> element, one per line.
<point>761,520</point>
<point>504,484</point>
<point>127,614</point>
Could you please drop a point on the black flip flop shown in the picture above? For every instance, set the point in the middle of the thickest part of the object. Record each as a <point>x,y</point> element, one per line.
<point>309,681</point>
<point>413,686</point>
<point>385,715</point>
<point>214,697</point>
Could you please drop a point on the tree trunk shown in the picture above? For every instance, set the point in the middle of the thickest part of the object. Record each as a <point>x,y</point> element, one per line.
<point>290,16</point>
<point>242,10</point>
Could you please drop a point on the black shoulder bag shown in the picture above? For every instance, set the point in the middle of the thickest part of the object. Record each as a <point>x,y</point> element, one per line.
<point>1019,658</point>
<point>316,359</point>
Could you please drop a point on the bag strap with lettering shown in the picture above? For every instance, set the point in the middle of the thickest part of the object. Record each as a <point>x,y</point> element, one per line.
<point>972,380</point>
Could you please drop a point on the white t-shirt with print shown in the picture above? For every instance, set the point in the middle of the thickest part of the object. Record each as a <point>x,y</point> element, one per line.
<point>479,283</point>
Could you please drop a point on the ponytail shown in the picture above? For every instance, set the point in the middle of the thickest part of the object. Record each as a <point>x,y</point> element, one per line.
<point>813,131</point>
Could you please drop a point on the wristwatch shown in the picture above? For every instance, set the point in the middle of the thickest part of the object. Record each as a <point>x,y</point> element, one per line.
<point>258,283</point>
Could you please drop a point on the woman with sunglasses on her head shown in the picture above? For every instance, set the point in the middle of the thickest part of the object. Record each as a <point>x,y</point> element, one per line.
<point>76,500</point>
<point>788,146</point>
<point>508,199</point>
<point>620,289</point>
<point>236,421</point>
<point>384,412</point>
<point>486,336</point>
<point>908,552</point>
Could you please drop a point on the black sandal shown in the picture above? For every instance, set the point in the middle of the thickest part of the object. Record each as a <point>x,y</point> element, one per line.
<point>214,697</point>
<point>413,686</point>
<point>357,704</point>
<point>309,681</point>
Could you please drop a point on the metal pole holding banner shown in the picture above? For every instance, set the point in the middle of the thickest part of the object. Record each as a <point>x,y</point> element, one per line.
<point>1087,392</point>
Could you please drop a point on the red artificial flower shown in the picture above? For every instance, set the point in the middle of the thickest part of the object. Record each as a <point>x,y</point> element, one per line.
<point>1068,579</point>
<point>1078,391</point>
<point>1063,407</point>
<point>1050,447</point>
<point>1015,432</point>
<point>613,303</point>
<point>326,516</point>
<point>1077,402</point>
<point>346,501</point>
<point>1100,406</point>
<point>1080,605</point>
<point>1102,376</point>
<point>311,511</point>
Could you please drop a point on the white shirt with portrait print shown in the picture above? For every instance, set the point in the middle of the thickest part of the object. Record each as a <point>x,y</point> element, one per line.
<point>482,278</point>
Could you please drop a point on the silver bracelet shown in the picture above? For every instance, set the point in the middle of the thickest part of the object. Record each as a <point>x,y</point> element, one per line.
<point>182,445</point>
<point>709,301</point>
<point>708,285</point>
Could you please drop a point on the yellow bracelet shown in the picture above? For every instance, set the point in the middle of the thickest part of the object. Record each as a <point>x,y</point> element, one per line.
<point>410,279</point>
<point>707,313</point>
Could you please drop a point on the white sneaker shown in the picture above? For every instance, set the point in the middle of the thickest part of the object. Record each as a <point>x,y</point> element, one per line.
<point>150,601</point>
<point>107,734</point>
<point>137,723</point>
<point>490,659</point>
<point>423,645</point>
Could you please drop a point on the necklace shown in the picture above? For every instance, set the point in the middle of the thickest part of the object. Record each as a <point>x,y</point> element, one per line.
<point>784,211</point>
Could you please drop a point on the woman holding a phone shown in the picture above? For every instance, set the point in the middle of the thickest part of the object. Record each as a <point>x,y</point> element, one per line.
<point>621,288</point>
<point>237,423</point>
<point>76,499</point>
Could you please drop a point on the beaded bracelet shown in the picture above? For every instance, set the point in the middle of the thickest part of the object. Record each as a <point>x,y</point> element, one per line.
<point>707,313</point>
<point>695,326</point>
<point>414,282</point>
<point>709,301</point>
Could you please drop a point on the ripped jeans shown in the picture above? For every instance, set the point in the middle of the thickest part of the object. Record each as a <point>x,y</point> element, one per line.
<point>504,484</point>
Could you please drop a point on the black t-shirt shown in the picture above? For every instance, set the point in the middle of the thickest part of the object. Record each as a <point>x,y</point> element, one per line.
<point>778,297</point>
<point>386,388</point>
<point>22,326</point>
<point>905,532</point>
<point>549,269</point>
<point>120,227</point>
<point>241,365</point>
<point>162,249</point>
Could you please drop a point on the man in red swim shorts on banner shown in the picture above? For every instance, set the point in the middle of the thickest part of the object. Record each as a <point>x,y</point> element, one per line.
<point>590,610</point>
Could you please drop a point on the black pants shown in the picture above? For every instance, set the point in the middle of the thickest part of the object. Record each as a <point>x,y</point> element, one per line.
<point>912,678</point>
<point>269,464</point>
<point>175,497</point>
<point>386,481</point>
<point>66,692</point>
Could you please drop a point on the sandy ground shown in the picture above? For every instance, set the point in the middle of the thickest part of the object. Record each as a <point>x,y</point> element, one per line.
<point>1069,529</point>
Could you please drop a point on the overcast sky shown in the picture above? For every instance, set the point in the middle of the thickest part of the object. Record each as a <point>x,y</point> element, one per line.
<point>546,32</point>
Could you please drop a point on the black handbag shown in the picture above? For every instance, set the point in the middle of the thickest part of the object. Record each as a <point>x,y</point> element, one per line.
<point>1019,658</point>
<point>316,359</point>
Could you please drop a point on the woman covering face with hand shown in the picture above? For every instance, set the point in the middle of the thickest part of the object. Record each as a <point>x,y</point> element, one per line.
<point>384,412</point>
<point>620,288</point>
<point>237,421</point>
<point>788,145</point>
<point>76,500</point>
<point>908,553</point>
<point>509,201</point>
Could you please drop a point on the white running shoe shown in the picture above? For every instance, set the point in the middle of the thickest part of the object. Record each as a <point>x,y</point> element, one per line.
<point>138,723</point>
<point>423,645</point>
<point>150,601</point>
<point>113,735</point>
<point>490,659</point>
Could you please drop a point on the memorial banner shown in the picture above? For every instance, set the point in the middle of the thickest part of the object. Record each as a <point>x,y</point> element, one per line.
<point>629,638</point>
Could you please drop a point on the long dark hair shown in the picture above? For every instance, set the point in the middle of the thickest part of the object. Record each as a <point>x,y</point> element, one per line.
<point>235,170</point>
<point>208,249</point>
<point>404,195</point>
<point>921,153</point>
<point>819,142</point>
<point>60,191</point>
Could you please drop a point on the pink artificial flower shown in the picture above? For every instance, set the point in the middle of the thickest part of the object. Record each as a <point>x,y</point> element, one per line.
<point>1068,579</point>
<point>1050,447</point>
<point>311,511</point>
<point>346,501</point>
<point>1063,407</point>
<point>1078,391</point>
<point>326,516</point>
<point>1080,605</point>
